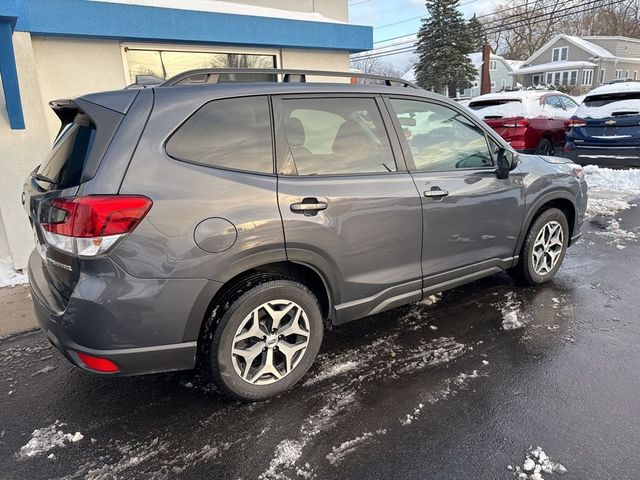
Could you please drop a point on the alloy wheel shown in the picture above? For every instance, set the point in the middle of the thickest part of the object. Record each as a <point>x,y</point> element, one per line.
<point>270,342</point>
<point>547,248</point>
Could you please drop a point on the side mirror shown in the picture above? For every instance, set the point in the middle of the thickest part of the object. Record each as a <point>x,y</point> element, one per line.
<point>507,161</point>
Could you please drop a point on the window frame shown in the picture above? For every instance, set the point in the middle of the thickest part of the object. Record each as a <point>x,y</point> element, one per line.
<point>222,167</point>
<point>560,50</point>
<point>493,65</point>
<point>196,48</point>
<point>281,144</point>
<point>603,76</point>
<point>406,149</point>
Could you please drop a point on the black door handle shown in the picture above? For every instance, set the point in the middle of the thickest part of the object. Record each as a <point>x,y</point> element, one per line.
<point>308,206</point>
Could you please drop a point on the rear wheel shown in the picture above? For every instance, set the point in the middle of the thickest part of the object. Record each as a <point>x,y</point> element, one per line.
<point>544,248</point>
<point>545,147</point>
<point>265,340</point>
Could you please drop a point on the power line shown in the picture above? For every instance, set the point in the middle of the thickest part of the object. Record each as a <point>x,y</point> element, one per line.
<point>468,2</point>
<point>566,11</point>
<point>490,14</point>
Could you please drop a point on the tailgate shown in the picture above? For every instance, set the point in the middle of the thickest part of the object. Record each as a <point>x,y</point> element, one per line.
<point>73,160</point>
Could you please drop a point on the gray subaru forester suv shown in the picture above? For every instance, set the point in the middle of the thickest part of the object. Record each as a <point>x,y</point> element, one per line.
<point>224,221</point>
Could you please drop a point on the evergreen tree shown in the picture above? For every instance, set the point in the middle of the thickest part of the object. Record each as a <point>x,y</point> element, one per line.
<point>443,44</point>
<point>476,31</point>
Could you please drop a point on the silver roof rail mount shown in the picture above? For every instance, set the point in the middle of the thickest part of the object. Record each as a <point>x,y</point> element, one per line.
<point>226,75</point>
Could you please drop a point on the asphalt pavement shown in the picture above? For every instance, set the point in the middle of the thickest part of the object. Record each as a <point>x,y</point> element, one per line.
<point>462,388</point>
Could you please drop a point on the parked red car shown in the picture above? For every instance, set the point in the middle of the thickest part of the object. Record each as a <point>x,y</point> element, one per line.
<point>532,121</point>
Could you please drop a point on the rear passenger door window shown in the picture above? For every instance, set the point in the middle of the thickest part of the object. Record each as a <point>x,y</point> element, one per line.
<point>333,136</point>
<point>233,133</point>
<point>440,138</point>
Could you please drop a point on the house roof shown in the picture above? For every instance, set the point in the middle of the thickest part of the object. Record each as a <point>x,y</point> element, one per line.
<point>553,66</point>
<point>592,48</point>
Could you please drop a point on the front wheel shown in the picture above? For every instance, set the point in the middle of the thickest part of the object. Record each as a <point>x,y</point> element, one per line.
<point>544,248</point>
<point>265,341</point>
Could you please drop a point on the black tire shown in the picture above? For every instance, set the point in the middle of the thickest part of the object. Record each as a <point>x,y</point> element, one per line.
<point>545,147</point>
<point>220,332</point>
<point>524,271</point>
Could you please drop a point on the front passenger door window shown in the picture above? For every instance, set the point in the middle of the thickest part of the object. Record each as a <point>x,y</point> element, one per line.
<point>441,138</point>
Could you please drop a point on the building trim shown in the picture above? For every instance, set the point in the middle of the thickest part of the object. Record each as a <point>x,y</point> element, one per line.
<point>9,74</point>
<point>82,18</point>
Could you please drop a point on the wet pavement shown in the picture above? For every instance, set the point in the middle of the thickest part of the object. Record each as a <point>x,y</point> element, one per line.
<point>462,388</point>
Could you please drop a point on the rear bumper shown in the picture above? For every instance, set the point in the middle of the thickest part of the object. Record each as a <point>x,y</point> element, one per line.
<point>605,156</point>
<point>142,325</point>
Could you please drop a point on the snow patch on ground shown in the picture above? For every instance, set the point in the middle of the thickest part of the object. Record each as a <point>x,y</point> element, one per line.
<point>512,314</point>
<point>333,371</point>
<point>289,451</point>
<point>345,448</point>
<point>536,463</point>
<point>8,276</point>
<point>47,438</point>
<point>150,455</point>
<point>452,387</point>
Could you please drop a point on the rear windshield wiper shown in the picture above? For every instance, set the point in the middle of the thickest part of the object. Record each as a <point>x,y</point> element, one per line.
<point>43,178</point>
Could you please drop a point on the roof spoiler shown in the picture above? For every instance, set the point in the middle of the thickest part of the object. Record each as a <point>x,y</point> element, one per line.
<point>224,75</point>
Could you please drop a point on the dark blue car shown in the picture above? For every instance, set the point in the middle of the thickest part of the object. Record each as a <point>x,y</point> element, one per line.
<point>605,129</point>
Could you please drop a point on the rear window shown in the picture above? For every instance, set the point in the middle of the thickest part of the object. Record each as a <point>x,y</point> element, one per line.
<point>501,108</point>
<point>232,133</point>
<point>610,105</point>
<point>70,152</point>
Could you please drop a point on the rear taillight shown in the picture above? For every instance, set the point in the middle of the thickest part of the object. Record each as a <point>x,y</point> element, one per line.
<point>98,364</point>
<point>89,226</point>
<point>516,122</point>
<point>576,122</point>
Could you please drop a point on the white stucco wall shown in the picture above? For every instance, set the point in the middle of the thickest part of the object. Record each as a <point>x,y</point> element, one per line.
<point>70,67</point>
<point>21,151</point>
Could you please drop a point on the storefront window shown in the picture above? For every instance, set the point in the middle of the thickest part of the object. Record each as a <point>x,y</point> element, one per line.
<point>167,63</point>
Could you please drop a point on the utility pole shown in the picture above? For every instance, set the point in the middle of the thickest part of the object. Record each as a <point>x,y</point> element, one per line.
<point>485,76</point>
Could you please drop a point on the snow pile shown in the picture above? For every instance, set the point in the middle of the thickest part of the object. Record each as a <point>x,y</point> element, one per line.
<point>536,464</point>
<point>609,193</point>
<point>8,276</point>
<point>45,439</point>
<point>512,316</point>
<point>607,179</point>
<point>432,299</point>
<point>509,109</point>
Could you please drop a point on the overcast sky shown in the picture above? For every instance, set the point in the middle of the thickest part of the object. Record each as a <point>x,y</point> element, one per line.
<point>401,13</point>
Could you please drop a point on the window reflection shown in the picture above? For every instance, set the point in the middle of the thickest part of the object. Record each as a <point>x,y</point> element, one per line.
<point>167,63</point>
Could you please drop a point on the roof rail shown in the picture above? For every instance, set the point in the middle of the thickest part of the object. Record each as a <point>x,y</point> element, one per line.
<point>225,75</point>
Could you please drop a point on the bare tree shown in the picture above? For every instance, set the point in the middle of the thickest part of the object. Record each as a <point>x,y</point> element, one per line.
<point>375,66</point>
<point>519,28</point>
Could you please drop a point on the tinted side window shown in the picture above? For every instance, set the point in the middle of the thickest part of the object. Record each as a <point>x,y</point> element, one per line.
<point>70,152</point>
<point>335,136</point>
<point>441,138</point>
<point>232,133</point>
